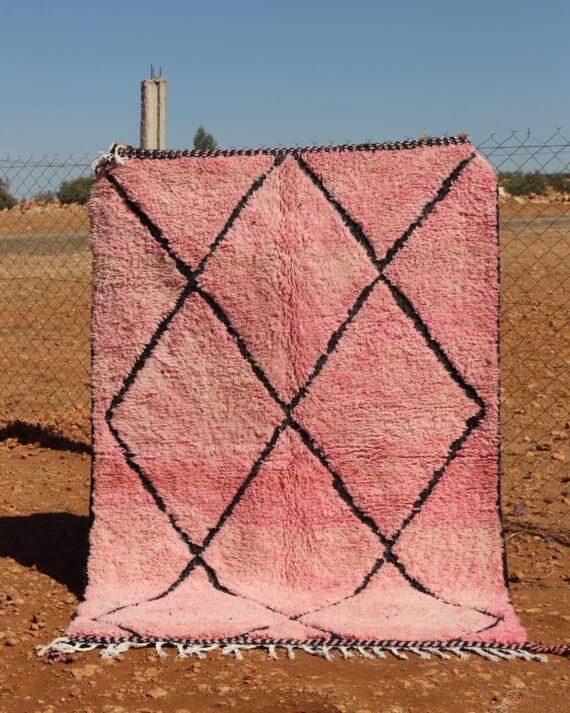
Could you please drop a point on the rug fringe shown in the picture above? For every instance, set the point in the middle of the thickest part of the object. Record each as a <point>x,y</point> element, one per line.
<point>111,155</point>
<point>111,648</point>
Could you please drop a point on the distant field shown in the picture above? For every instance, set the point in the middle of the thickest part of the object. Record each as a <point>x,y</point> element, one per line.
<point>45,284</point>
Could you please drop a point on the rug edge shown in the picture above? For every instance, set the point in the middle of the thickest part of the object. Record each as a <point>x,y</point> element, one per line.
<point>61,647</point>
<point>118,152</point>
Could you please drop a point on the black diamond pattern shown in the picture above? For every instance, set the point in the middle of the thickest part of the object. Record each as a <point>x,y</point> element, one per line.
<point>387,545</point>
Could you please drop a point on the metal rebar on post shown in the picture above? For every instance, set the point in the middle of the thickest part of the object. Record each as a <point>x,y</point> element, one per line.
<point>153,112</point>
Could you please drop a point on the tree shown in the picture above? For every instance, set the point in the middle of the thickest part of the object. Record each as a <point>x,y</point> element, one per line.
<point>75,191</point>
<point>7,200</point>
<point>203,141</point>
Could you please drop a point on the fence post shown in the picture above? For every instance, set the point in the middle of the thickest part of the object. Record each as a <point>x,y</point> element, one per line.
<point>153,112</point>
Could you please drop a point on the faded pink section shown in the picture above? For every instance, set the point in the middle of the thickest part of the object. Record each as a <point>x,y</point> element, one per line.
<point>287,274</point>
<point>206,419</point>
<point>292,543</point>
<point>385,191</point>
<point>84,625</point>
<point>389,608</point>
<point>454,545</point>
<point>121,568</point>
<point>191,199</point>
<point>384,411</point>
<point>289,629</point>
<point>194,610</point>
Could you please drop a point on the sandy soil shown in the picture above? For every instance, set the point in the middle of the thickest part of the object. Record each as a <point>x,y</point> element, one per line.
<point>44,358</point>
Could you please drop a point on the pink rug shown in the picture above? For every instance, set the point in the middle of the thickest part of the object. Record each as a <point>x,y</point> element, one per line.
<point>295,404</point>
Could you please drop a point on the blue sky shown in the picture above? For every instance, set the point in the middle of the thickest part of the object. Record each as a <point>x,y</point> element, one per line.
<point>281,72</point>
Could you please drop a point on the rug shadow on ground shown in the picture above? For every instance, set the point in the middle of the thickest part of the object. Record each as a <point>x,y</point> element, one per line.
<point>56,543</point>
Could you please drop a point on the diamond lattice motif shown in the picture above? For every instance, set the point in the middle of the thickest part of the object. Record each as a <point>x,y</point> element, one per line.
<point>267,391</point>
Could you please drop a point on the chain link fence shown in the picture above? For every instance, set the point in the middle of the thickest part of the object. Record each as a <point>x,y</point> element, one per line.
<point>45,285</point>
<point>45,273</point>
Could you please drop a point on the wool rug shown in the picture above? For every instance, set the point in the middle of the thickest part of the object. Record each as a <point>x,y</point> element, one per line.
<point>295,404</point>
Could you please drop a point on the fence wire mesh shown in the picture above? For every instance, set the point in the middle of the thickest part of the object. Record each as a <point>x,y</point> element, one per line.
<point>45,275</point>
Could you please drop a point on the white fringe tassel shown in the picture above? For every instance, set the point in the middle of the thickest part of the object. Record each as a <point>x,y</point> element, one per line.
<point>108,156</point>
<point>64,645</point>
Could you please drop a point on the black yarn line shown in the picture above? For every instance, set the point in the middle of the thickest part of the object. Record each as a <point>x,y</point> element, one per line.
<point>118,399</point>
<point>388,555</point>
<point>241,345</point>
<point>148,349</point>
<point>188,569</point>
<point>424,590</point>
<point>196,550</point>
<point>269,446</point>
<point>356,229</point>
<point>400,299</point>
<point>338,483</point>
<point>332,344</point>
<point>361,587</point>
<point>416,509</point>
<point>181,266</point>
<point>258,372</point>
<point>255,186</point>
<point>426,492</point>
<point>331,636</point>
<point>368,577</point>
<point>164,324</point>
<point>128,629</point>
<point>491,626</point>
<point>152,228</point>
<point>471,423</point>
<point>350,223</point>
<point>418,586</point>
<point>425,212</point>
<point>408,309</point>
<point>213,578</point>
<point>149,487</point>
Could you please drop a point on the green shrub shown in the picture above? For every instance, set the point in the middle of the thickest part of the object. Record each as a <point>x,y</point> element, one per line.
<point>7,200</point>
<point>559,182</point>
<point>75,191</point>
<point>523,184</point>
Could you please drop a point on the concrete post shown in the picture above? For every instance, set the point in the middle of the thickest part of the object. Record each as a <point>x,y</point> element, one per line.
<point>153,113</point>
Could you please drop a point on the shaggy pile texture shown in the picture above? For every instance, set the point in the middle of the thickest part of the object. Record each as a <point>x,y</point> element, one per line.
<point>295,400</point>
